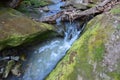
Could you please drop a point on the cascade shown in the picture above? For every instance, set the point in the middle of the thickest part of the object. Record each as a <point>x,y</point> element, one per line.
<point>44,57</point>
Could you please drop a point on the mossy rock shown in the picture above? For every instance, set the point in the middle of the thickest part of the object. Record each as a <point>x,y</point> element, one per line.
<point>96,54</point>
<point>33,3</point>
<point>16,29</point>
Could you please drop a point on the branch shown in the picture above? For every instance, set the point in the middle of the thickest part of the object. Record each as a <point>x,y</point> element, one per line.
<point>70,15</point>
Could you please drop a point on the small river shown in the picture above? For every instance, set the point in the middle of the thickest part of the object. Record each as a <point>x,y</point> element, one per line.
<point>44,57</point>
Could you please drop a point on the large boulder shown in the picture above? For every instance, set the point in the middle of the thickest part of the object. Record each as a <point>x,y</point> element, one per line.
<point>16,29</point>
<point>96,54</point>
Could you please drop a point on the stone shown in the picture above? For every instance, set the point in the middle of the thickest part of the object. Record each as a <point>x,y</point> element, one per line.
<point>16,70</point>
<point>96,55</point>
<point>8,68</point>
<point>46,9</point>
<point>18,29</point>
<point>15,58</point>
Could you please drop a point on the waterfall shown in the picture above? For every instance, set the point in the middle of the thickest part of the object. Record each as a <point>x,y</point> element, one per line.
<point>46,56</point>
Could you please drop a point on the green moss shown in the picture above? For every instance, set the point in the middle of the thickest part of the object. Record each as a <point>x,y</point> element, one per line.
<point>26,5</point>
<point>115,75</point>
<point>89,51</point>
<point>17,40</point>
<point>118,26</point>
<point>37,3</point>
<point>79,65</point>
<point>13,40</point>
<point>98,53</point>
<point>8,68</point>
<point>16,29</point>
<point>115,10</point>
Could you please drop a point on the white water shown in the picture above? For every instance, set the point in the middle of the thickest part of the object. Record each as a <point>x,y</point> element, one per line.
<point>45,57</point>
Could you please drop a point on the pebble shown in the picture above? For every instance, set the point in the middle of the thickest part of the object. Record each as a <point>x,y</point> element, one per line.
<point>3,22</point>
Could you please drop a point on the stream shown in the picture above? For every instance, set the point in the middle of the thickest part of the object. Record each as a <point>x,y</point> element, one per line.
<point>44,57</point>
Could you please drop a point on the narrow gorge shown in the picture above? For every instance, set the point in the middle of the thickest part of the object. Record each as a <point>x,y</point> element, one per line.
<point>70,47</point>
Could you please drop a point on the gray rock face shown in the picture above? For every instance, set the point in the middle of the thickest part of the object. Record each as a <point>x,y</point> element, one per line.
<point>112,55</point>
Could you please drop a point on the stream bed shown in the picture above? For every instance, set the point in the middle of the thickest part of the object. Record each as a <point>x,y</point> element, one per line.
<point>44,57</point>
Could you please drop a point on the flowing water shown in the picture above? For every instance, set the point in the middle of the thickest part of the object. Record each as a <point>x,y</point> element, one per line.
<point>53,9</point>
<point>44,57</point>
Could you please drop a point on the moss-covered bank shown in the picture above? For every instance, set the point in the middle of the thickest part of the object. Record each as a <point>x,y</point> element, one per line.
<point>27,5</point>
<point>95,55</point>
<point>16,29</point>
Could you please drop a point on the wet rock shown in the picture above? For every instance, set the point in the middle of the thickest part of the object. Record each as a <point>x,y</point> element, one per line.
<point>46,9</point>
<point>8,68</point>
<point>1,70</point>
<point>16,70</point>
<point>15,58</point>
